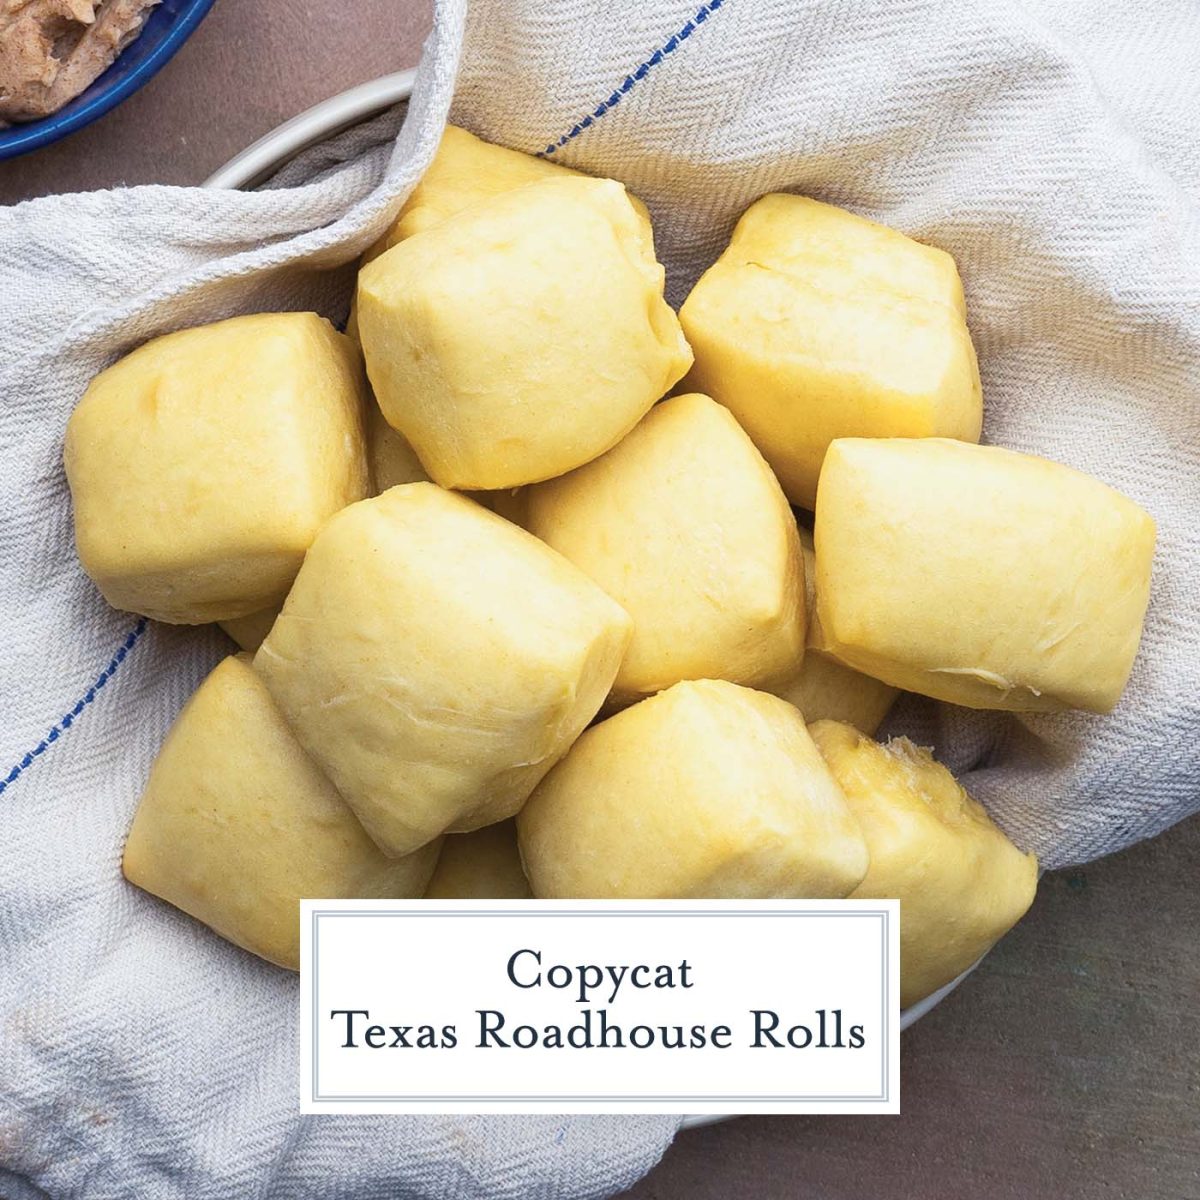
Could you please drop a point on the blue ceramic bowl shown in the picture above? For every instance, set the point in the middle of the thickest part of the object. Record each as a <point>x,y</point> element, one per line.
<point>166,29</point>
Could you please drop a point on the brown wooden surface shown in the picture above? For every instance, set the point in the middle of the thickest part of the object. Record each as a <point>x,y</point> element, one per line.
<point>1067,1066</point>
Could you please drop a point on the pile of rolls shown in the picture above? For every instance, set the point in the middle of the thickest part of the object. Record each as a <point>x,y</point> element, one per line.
<point>544,589</point>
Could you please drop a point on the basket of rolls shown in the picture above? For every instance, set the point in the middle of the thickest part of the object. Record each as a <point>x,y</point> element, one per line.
<point>543,589</point>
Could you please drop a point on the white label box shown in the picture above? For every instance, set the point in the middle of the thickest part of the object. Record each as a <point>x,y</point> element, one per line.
<point>693,1007</point>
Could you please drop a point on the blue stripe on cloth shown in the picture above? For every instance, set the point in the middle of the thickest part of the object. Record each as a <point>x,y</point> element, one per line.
<point>68,719</point>
<point>639,73</point>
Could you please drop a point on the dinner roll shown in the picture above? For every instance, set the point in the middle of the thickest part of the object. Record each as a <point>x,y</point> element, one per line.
<point>202,465</point>
<point>250,630</point>
<point>823,688</point>
<point>816,324</point>
<point>464,171</point>
<point>978,575</point>
<point>708,789</point>
<point>392,459</point>
<point>960,882</point>
<point>484,865</point>
<point>500,359</point>
<point>435,660</point>
<point>237,824</point>
<point>684,525</point>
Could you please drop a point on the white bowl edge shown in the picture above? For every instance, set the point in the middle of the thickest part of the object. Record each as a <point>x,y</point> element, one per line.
<point>272,151</point>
